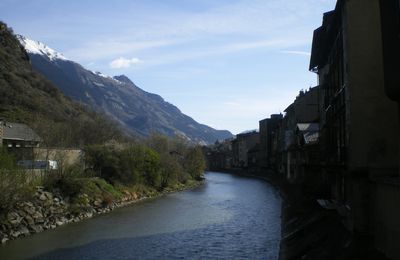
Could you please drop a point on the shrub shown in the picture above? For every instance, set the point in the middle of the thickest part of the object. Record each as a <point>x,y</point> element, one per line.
<point>67,181</point>
<point>140,164</point>
<point>103,160</point>
<point>170,171</point>
<point>194,162</point>
<point>15,185</point>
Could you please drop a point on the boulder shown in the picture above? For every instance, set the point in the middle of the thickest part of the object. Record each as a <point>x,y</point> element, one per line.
<point>15,234</point>
<point>29,220</point>
<point>60,223</point>
<point>21,213</point>
<point>42,197</point>
<point>56,210</point>
<point>13,218</point>
<point>48,195</point>
<point>98,203</point>
<point>38,217</point>
<point>23,231</point>
<point>29,209</point>
<point>36,228</point>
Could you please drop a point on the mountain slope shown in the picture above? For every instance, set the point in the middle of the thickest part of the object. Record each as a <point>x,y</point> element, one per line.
<point>118,97</point>
<point>27,97</point>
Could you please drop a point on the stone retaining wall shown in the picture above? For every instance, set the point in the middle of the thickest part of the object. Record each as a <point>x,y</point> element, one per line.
<point>49,210</point>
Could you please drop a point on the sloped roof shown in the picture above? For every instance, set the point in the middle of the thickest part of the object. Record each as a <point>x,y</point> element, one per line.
<point>313,127</point>
<point>17,131</point>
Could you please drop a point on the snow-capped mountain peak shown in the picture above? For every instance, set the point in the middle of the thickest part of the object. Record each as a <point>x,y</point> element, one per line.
<point>98,73</point>
<point>36,47</point>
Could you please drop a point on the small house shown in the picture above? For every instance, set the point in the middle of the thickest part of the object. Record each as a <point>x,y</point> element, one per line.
<point>17,135</point>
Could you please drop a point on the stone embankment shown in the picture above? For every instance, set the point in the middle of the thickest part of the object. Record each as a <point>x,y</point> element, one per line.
<point>49,210</point>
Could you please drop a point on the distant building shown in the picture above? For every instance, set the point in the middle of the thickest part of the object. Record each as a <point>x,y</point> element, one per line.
<point>219,156</point>
<point>241,146</point>
<point>268,128</point>
<point>20,140</point>
<point>304,110</point>
<point>254,156</point>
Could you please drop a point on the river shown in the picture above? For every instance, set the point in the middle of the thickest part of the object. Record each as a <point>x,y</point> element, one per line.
<point>229,217</point>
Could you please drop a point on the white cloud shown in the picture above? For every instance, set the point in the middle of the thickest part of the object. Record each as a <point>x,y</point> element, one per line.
<point>222,49</point>
<point>302,53</point>
<point>231,23</point>
<point>105,49</point>
<point>121,63</point>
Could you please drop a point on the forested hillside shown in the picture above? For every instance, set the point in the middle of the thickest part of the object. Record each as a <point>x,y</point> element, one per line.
<point>26,96</point>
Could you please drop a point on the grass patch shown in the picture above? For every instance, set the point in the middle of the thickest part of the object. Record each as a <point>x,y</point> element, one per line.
<point>99,188</point>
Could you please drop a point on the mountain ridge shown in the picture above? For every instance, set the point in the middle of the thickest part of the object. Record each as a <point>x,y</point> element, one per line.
<point>138,111</point>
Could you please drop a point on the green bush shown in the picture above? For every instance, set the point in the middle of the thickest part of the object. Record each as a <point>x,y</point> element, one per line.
<point>103,161</point>
<point>67,180</point>
<point>170,171</point>
<point>161,163</point>
<point>15,185</point>
<point>141,165</point>
<point>194,163</point>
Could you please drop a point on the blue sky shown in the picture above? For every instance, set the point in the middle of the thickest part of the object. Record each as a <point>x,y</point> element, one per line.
<point>226,63</point>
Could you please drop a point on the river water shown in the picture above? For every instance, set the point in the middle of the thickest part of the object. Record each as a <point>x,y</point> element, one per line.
<point>229,217</point>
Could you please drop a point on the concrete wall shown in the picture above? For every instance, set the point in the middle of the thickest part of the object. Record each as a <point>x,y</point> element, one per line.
<point>385,217</point>
<point>64,157</point>
<point>373,130</point>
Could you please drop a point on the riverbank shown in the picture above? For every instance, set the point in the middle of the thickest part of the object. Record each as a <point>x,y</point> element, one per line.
<point>310,231</point>
<point>49,210</point>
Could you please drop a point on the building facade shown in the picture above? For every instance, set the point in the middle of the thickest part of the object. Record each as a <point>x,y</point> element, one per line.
<point>243,143</point>
<point>304,110</point>
<point>359,131</point>
<point>267,129</point>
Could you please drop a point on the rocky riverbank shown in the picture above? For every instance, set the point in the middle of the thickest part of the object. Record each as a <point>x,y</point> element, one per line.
<point>49,210</point>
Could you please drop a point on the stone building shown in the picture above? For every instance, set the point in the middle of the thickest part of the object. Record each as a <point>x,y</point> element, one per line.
<point>304,110</point>
<point>267,129</point>
<point>359,132</point>
<point>241,146</point>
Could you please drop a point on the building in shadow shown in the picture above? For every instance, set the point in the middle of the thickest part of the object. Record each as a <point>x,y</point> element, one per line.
<point>268,129</point>
<point>359,132</point>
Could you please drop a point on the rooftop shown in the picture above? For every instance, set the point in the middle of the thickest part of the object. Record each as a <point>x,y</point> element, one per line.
<point>21,132</point>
